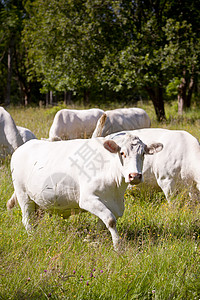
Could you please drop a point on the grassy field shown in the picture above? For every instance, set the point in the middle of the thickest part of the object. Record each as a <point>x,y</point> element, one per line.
<point>69,259</point>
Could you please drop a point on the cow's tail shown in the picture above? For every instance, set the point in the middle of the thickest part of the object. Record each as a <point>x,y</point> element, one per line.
<point>12,201</point>
<point>100,125</point>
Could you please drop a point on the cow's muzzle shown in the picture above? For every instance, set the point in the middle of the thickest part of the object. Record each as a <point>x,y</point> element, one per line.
<point>135,178</point>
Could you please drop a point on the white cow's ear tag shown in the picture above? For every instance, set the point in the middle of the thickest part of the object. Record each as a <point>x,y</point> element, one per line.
<point>111,146</point>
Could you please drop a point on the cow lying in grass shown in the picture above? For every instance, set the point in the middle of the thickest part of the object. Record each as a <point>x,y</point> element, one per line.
<point>90,175</point>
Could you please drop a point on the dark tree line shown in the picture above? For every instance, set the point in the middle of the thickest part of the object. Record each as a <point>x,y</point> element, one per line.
<point>100,50</point>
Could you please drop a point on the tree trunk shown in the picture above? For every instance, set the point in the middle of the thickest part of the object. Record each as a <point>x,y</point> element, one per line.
<point>181,96</point>
<point>156,95</point>
<point>189,93</point>
<point>9,76</point>
<point>25,99</point>
<point>47,98</point>
<point>185,91</point>
<point>180,104</point>
<point>86,97</point>
<point>67,97</point>
<point>51,98</point>
<point>20,73</point>
<point>25,90</point>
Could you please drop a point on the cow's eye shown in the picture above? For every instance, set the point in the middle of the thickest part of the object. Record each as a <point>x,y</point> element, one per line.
<point>123,154</point>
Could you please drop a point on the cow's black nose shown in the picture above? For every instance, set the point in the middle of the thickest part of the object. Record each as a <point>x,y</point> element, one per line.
<point>135,177</point>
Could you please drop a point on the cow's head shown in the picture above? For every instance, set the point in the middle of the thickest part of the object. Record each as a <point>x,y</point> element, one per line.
<point>131,152</point>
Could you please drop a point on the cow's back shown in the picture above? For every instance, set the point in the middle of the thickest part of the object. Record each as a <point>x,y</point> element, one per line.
<point>72,124</point>
<point>125,119</point>
<point>26,134</point>
<point>87,121</point>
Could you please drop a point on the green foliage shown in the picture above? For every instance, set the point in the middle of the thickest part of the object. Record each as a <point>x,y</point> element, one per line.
<point>172,87</point>
<point>99,48</point>
<point>70,54</point>
<point>181,53</point>
<point>108,45</point>
<point>12,52</point>
<point>53,110</point>
<point>69,259</point>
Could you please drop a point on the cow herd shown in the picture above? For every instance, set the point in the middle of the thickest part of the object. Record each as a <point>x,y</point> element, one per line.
<point>89,160</point>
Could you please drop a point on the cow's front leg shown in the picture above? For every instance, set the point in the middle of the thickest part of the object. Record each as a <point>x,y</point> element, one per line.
<point>167,184</point>
<point>94,205</point>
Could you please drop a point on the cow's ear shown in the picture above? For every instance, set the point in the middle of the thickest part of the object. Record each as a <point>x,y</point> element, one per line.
<point>111,146</point>
<point>153,148</point>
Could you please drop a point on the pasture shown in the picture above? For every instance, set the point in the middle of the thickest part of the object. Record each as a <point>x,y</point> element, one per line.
<point>69,259</point>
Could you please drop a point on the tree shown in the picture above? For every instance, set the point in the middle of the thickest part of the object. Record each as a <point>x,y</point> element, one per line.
<point>159,50</point>
<point>182,57</point>
<point>92,45</point>
<point>12,49</point>
<point>66,41</point>
<point>7,41</point>
<point>138,64</point>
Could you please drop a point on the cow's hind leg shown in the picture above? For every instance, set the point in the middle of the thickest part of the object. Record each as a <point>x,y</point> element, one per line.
<point>12,201</point>
<point>28,208</point>
<point>94,205</point>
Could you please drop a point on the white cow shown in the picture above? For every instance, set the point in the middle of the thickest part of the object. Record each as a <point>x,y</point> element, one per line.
<point>122,119</point>
<point>26,134</point>
<point>88,174</point>
<point>72,124</point>
<point>176,165</point>
<point>10,138</point>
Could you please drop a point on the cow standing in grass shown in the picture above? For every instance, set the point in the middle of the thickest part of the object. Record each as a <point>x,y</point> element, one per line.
<point>72,124</point>
<point>176,166</point>
<point>88,175</point>
<point>121,119</point>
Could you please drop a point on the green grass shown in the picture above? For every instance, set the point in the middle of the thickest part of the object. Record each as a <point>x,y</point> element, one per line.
<point>69,259</point>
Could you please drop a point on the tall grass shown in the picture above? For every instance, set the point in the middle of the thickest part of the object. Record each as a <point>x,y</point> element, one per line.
<point>69,259</point>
